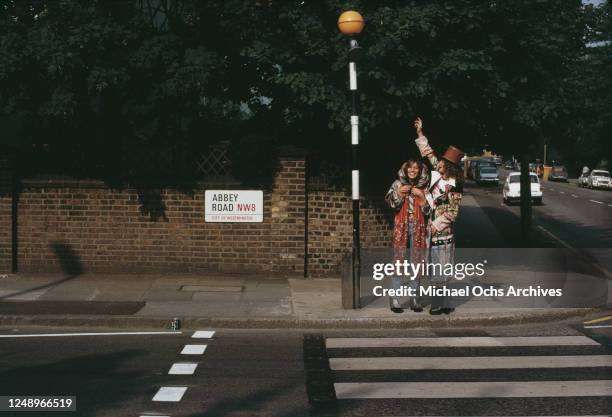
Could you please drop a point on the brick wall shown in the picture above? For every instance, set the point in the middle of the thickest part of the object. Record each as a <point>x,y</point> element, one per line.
<point>80,226</point>
<point>330,225</point>
<point>5,216</point>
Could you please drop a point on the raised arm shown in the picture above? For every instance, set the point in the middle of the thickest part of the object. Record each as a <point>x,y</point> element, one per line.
<point>423,144</point>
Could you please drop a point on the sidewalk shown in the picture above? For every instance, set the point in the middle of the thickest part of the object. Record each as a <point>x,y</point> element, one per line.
<point>152,301</point>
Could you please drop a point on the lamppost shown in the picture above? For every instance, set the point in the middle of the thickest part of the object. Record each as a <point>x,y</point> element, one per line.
<point>351,23</point>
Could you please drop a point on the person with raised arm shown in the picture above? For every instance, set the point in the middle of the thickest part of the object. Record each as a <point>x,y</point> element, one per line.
<point>443,195</point>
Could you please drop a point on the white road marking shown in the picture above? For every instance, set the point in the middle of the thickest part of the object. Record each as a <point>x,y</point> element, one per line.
<point>595,201</point>
<point>203,334</point>
<point>601,326</point>
<point>561,192</point>
<point>399,342</point>
<point>567,245</point>
<point>193,350</point>
<point>472,362</point>
<point>86,334</point>
<point>152,415</point>
<point>170,394</point>
<point>182,368</point>
<point>574,195</point>
<point>489,389</point>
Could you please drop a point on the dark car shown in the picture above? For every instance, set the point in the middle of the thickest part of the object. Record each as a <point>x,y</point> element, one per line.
<point>558,173</point>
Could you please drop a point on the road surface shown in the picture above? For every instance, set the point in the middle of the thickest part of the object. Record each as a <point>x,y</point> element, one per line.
<point>552,370</point>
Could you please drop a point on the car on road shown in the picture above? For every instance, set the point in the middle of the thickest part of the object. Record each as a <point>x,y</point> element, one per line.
<point>583,179</point>
<point>512,188</point>
<point>477,164</point>
<point>509,165</point>
<point>598,178</point>
<point>487,175</point>
<point>558,173</point>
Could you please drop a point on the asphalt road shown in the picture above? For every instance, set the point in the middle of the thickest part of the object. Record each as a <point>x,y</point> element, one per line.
<point>520,370</point>
<point>570,216</point>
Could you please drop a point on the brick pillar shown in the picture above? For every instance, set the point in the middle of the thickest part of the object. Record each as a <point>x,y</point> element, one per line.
<point>288,213</point>
<point>6,202</point>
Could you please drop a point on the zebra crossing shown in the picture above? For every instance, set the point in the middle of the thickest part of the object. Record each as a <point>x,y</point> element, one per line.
<point>521,376</point>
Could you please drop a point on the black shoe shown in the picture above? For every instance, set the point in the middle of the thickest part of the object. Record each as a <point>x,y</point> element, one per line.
<point>397,309</point>
<point>415,306</point>
<point>434,311</point>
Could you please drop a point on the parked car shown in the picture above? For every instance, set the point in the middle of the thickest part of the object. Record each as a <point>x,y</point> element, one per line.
<point>558,173</point>
<point>509,165</point>
<point>512,188</point>
<point>583,179</point>
<point>487,175</point>
<point>598,178</point>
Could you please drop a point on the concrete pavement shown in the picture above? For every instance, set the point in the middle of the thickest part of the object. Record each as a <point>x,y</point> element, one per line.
<point>152,301</point>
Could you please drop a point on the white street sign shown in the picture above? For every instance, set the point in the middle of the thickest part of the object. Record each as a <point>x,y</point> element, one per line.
<point>233,206</point>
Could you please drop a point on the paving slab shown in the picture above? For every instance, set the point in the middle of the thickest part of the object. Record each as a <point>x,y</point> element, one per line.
<point>170,294</point>
<point>228,297</point>
<point>212,288</point>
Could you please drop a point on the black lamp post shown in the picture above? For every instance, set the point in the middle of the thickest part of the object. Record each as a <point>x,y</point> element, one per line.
<point>351,23</point>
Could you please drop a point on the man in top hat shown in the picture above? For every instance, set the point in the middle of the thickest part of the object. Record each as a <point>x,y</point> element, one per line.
<point>443,195</point>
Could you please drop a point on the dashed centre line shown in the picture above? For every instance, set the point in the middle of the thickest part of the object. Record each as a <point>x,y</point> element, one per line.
<point>203,334</point>
<point>595,201</point>
<point>170,394</point>
<point>574,195</point>
<point>183,369</point>
<point>176,393</point>
<point>193,350</point>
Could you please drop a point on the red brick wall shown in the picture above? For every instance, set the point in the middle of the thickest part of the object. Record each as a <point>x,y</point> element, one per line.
<point>330,225</point>
<point>5,217</point>
<point>86,226</point>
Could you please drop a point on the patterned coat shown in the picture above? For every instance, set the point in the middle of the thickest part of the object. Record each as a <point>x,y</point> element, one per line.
<point>444,197</point>
<point>408,211</point>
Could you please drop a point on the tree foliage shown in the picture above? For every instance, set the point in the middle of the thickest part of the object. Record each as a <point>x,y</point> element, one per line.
<point>144,88</point>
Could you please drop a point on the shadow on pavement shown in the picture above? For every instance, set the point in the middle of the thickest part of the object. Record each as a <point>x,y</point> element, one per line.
<point>69,262</point>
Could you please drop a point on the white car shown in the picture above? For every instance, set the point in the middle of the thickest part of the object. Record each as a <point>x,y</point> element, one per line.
<point>512,188</point>
<point>599,179</point>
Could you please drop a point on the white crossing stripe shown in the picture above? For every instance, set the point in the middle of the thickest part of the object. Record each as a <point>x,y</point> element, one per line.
<point>182,368</point>
<point>170,394</point>
<point>203,334</point>
<point>399,342</point>
<point>363,390</point>
<point>193,350</point>
<point>472,362</point>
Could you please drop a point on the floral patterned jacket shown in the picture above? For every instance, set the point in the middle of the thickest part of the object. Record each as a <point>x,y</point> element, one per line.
<point>444,197</point>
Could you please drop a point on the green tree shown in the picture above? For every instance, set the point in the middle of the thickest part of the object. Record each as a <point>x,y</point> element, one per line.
<point>148,83</point>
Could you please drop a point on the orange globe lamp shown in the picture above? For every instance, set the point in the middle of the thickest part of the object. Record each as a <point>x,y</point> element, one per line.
<point>351,23</point>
